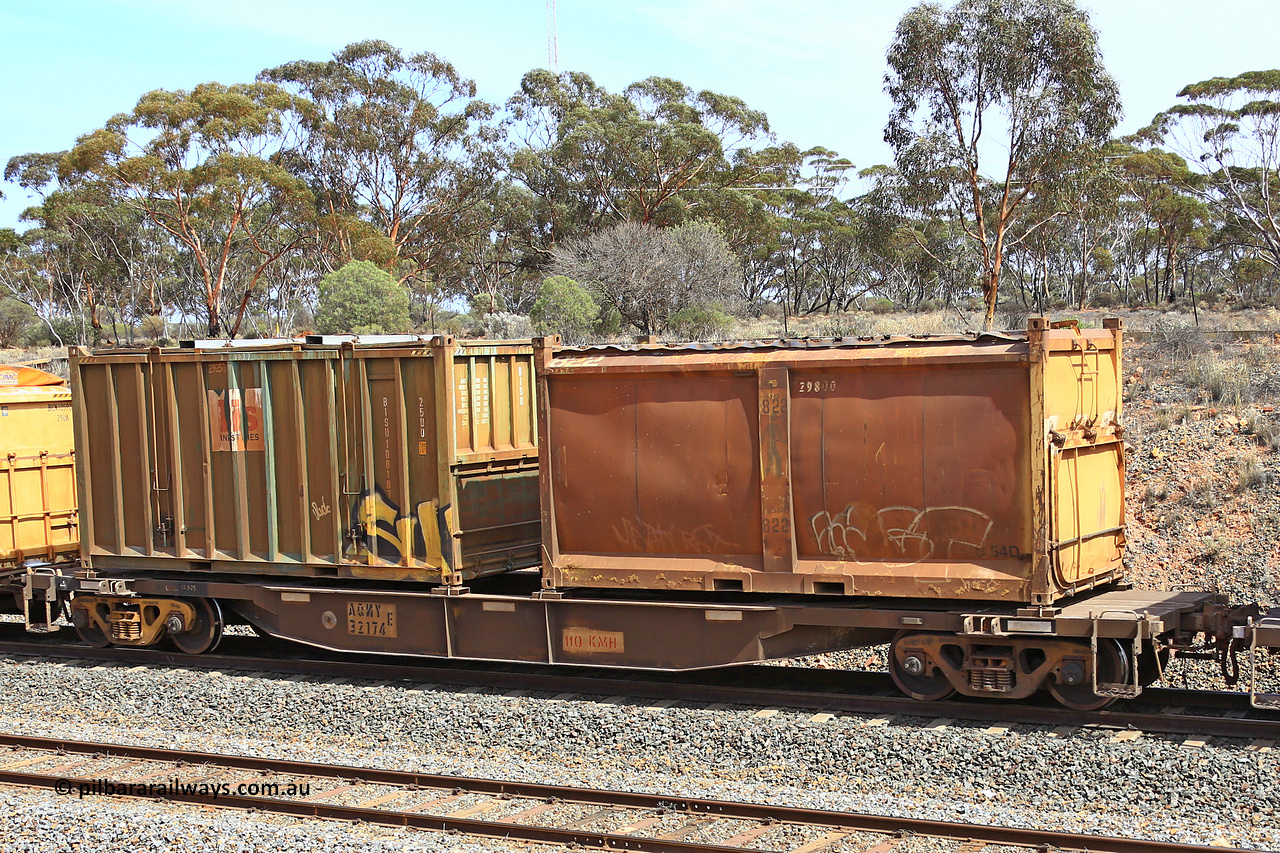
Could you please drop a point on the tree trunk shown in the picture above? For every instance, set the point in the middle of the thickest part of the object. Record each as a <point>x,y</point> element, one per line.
<point>990,290</point>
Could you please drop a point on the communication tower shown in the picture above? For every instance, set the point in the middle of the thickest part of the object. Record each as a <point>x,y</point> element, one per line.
<point>553,57</point>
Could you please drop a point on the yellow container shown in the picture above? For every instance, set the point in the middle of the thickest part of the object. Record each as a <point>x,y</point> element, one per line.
<point>38,519</point>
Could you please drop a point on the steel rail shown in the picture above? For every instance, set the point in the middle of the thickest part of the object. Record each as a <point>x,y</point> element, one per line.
<point>693,806</point>
<point>1264,726</point>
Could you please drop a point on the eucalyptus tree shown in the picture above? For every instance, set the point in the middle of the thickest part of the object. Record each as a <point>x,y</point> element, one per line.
<point>87,252</point>
<point>1178,222</point>
<point>400,141</point>
<point>201,165</point>
<point>1231,127</point>
<point>1091,201</point>
<point>993,100</point>
<point>793,238</point>
<point>559,203</point>
<point>658,152</point>
<point>910,257</point>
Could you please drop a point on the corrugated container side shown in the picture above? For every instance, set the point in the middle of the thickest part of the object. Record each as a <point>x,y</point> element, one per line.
<point>316,459</point>
<point>908,468</point>
<point>38,517</point>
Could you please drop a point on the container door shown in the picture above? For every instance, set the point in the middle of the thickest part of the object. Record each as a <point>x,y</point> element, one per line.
<point>398,521</point>
<point>1086,456</point>
<point>1088,489</point>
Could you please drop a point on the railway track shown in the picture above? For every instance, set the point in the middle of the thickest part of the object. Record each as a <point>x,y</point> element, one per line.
<point>511,810</point>
<point>1160,710</point>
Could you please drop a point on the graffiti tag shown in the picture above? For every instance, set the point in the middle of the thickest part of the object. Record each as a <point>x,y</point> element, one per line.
<point>949,532</point>
<point>393,536</point>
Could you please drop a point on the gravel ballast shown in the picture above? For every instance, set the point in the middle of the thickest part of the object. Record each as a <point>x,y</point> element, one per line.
<point>1082,780</point>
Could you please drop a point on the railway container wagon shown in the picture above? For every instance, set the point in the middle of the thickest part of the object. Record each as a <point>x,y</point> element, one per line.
<point>385,459</point>
<point>960,498</point>
<point>38,520</point>
<point>975,468</point>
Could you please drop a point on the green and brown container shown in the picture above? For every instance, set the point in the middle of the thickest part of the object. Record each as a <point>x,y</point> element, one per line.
<point>391,458</point>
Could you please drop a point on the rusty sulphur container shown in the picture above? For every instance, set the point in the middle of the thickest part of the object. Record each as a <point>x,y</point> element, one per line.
<point>394,458</point>
<point>986,467</point>
<point>38,492</point>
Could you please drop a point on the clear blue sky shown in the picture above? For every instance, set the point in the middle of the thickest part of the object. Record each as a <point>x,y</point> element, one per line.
<point>815,67</point>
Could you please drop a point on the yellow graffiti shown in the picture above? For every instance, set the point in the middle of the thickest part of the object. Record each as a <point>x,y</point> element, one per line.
<point>410,539</point>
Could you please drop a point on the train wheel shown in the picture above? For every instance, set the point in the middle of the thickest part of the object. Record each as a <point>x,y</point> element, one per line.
<point>205,634</point>
<point>90,633</point>
<point>1113,666</point>
<point>908,671</point>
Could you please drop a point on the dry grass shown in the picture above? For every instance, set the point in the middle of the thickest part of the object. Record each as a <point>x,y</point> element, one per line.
<point>1219,379</point>
<point>854,324</point>
<point>52,359</point>
<point>1200,494</point>
<point>1250,474</point>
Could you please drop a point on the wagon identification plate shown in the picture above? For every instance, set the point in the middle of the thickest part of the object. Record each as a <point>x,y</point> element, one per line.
<point>371,619</point>
<point>588,640</point>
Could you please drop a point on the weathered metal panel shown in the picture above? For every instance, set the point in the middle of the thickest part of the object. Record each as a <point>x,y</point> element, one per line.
<point>642,634</point>
<point>38,519</point>
<point>310,459</point>
<point>1083,418</point>
<point>640,457</point>
<point>905,467</point>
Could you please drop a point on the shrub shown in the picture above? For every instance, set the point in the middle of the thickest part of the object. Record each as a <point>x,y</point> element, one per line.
<point>1200,494</point>
<point>1012,319</point>
<point>502,325</point>
<point>15,318</point>
<point>608,324</point>
<point>1221,380</point>
<point>463,326</point>
<point>1249,473</point>
<point>844,326</point>
<point>361,296</point>
<point>1215,547</point>
<point>1265,433</point>
<point>563,306</point>
<point>152,327</point>
<point>69,331</point>
<point>699,322</point>
<point>1175,338</point>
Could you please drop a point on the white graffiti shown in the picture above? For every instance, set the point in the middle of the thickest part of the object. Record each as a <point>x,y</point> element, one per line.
<point>949,532</point>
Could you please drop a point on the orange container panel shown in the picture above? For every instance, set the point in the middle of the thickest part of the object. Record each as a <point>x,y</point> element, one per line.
<point>331,457</point>
<point>38,519</point>
<point>967,467</point>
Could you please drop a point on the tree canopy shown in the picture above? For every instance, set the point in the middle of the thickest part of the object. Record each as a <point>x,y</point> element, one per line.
<point>200,166</point>
<point>1026,71</point>
<point>1231,127</point>
<point>362,299</point>
<point>220,210</point>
